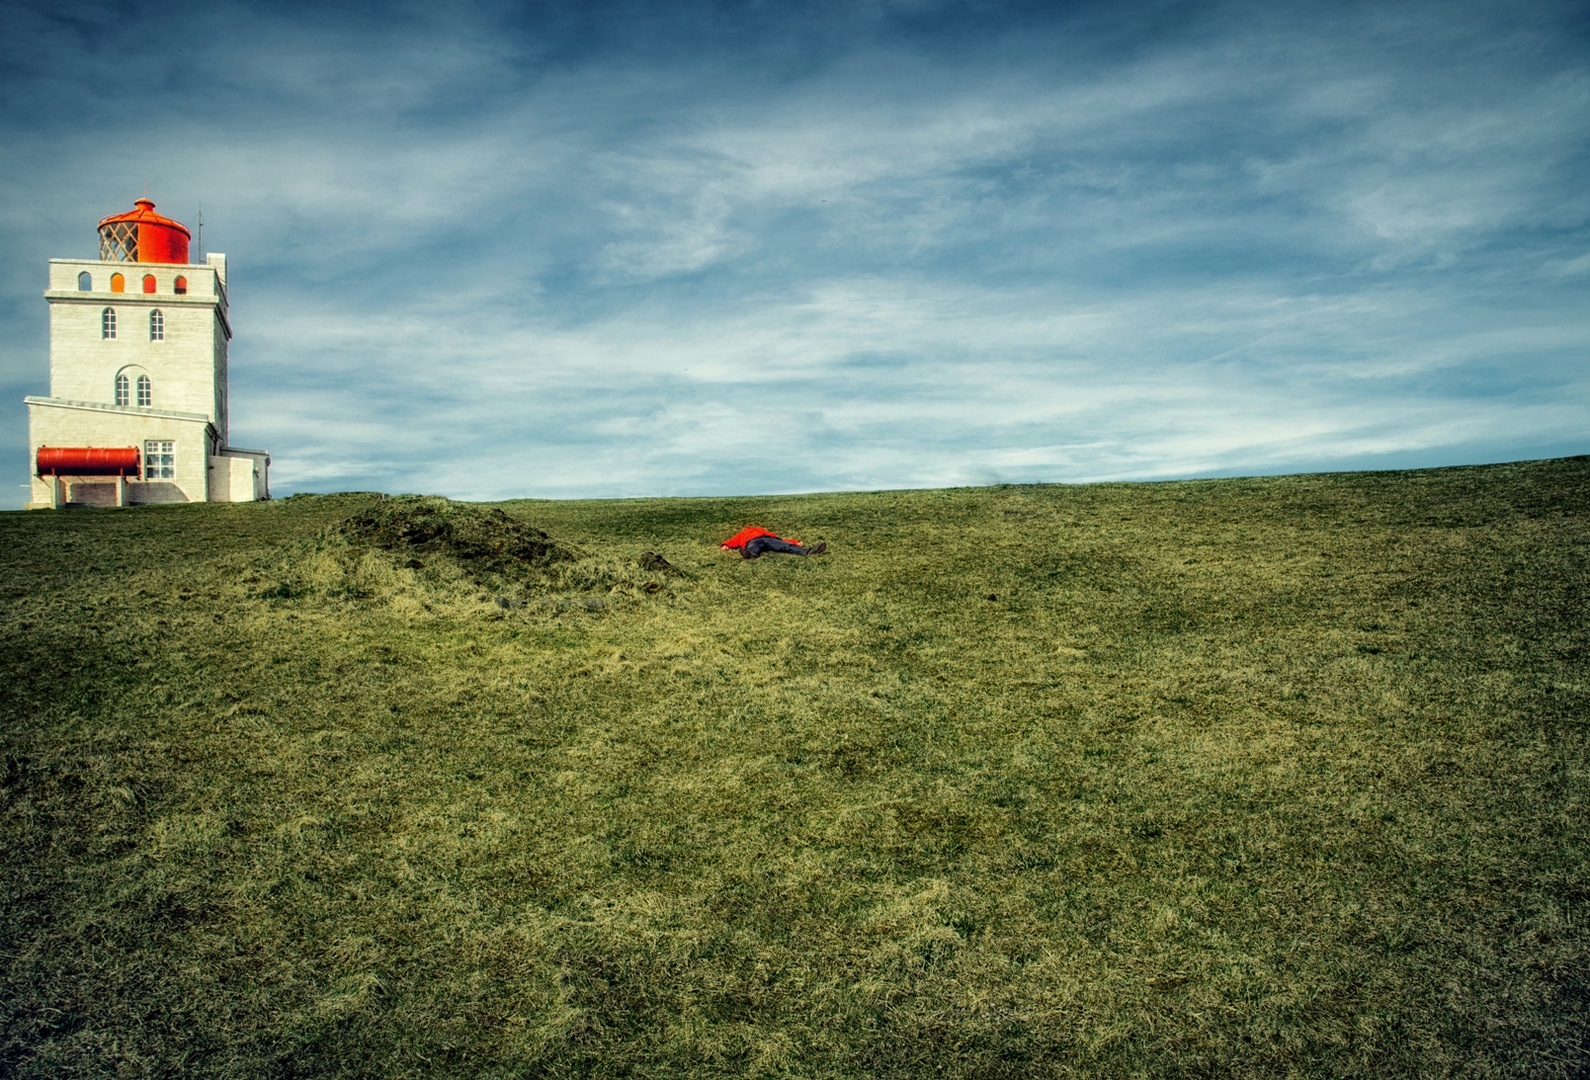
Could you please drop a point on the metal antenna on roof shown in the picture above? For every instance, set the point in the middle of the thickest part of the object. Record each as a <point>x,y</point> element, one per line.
<point>199,236</point>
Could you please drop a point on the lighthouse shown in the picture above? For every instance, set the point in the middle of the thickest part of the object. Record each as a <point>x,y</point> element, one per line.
<point>137,410</point>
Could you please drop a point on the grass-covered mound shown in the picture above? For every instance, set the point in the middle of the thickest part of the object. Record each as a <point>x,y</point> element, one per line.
<point>1252,777</point>
<point>413,554</point>
<point>483,541</point>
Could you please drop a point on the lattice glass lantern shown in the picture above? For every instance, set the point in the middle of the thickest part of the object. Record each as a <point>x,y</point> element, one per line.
<point>118,241</point>
<point>142,235</point>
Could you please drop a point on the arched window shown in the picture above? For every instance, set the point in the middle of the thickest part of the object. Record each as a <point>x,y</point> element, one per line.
<point>149,283</point>
<point>180,286</point>
<point>157,325</point>
<point>85,282</point>
<point>107,324</point>
<point>134,387</point>
<point>118,283</point>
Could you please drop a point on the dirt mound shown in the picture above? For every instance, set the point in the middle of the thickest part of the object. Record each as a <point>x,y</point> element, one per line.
<point>482,541</point>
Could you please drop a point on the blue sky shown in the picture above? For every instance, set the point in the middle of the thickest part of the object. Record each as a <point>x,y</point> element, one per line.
<point>625,249</point>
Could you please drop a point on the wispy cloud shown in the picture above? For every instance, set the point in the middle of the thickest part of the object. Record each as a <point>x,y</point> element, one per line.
<point>500,253</point>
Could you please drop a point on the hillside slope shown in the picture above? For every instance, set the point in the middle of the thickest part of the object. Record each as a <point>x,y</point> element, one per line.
<point>1258,778</point>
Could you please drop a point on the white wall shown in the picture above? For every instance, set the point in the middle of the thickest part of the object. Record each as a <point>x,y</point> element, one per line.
<point>55,426</point>
<point>187,368</point>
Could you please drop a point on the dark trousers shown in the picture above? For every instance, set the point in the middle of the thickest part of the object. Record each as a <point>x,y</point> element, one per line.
<point>761,544</point>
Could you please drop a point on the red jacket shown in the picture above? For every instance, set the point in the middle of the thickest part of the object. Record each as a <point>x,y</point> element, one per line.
<point>745,536</point>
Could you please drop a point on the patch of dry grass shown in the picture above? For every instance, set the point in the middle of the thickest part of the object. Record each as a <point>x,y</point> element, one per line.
<point>1255,777</point>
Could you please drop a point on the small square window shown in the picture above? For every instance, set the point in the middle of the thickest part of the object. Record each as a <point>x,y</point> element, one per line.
<point>160,460</point>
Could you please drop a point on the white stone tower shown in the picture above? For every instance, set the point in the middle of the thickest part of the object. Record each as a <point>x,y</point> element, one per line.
<point>137,411</point>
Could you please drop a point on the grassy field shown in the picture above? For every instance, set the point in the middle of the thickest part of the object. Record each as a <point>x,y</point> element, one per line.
<point>1253,778</point>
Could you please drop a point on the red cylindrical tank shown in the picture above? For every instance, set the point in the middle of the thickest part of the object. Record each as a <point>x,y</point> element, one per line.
<point>88,461</point>
<point>142,235</point>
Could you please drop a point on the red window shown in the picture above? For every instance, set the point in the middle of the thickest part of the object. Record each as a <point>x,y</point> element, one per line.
<point>180,286</point>
<point>149,283</point>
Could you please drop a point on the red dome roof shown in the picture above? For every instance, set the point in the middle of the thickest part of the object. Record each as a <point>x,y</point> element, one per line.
<point>146,213</point>
<point>142,235</point>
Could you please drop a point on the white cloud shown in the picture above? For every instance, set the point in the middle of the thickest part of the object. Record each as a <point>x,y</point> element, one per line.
<point>1259,242</point>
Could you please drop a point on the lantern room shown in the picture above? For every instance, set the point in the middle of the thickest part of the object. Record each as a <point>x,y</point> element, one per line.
<point>141,235</point>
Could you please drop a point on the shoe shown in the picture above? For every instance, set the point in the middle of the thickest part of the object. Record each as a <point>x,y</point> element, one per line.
<point>822,546</point>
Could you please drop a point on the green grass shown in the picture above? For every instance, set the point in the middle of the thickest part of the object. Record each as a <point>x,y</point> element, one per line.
<point>1259,778</point>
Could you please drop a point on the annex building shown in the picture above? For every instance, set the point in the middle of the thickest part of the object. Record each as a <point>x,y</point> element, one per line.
<point>137,411</point>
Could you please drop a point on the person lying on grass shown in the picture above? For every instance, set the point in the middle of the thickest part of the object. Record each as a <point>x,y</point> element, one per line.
<point>753,543</point>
